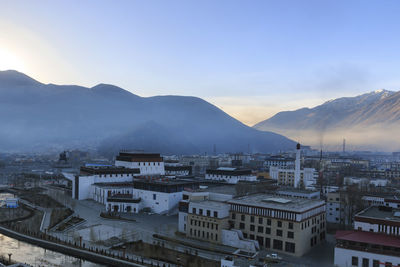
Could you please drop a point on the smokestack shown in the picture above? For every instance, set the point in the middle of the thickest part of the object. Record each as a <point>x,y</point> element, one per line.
<point>344,145</point>
<point>297,167</point>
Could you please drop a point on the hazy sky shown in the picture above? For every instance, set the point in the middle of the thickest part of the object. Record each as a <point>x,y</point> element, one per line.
<point>250,58</point>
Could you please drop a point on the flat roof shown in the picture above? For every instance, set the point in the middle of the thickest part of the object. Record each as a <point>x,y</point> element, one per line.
<point>209,203</point>
<point>379,212</point>
<point>271,201</point>
<point>94,170</point>
<point>369,237</point>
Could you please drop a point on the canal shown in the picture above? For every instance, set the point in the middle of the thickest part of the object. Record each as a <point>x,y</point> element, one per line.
<point>37,256</point>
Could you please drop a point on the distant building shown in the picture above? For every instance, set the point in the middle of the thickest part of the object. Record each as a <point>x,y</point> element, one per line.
<point>279,161</point>
<point>297,177</point>
<point>230,175</point>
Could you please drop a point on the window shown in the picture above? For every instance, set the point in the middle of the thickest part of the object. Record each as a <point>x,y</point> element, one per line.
<point>388,264</point>
<point>208,213</point>
<point>267,230</point>
<point>200,211</point>
<point>260,220</point>
<point>252,227</point>
<point>277,244</point>
<point>290,225</point>
<point>290,234</point>
<point>260,229</point>
<point>279,232</point>
<point>268,221</point>
<point>365,262</point>
<point>233,216</point>
<point>375,263</point>
<point>242,217</point>
<point>252,219</point>
<point>241,225</point>
<point>354,261</point>
<point>154,196</point>
<point>267,242</point>
<point>215,214</point>
<point>279,224</point>
<point>290,247</point>
<point>194,210</point>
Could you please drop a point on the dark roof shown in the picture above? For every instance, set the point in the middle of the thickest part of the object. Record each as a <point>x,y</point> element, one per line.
<point>369,237</point>
<point>94,170</point>
<point>236,172</point>
<point>139,157</point>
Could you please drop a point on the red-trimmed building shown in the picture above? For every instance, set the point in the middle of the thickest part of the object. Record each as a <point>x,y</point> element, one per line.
<point>366,249</point>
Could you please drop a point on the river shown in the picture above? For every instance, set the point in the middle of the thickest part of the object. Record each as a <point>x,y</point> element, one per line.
<point>37,256</point>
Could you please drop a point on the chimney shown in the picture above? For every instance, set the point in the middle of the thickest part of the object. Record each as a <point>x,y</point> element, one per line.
<point>297,167</point>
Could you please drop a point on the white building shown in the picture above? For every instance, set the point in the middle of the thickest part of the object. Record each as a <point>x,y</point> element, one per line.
<point>147,163</point>
<point>230,175</point>
<point>359,248</point>
<point>378,219</point>
<point>82,184</point>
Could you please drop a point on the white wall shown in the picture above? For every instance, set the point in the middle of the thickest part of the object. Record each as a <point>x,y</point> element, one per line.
<point>146,168</point>
<point>231,238</point>
<point>182,222</point>
<point>343,257</point>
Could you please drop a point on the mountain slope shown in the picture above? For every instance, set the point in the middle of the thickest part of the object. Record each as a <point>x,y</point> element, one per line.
<point>366,119</point>
<point>36,116</point>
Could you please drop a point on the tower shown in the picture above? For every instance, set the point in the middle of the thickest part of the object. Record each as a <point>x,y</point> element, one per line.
<point>297,167</point>
<point>344,145</point>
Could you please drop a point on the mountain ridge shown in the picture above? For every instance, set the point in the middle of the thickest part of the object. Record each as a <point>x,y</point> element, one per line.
<point>35,115</point>
<point>343,116</point>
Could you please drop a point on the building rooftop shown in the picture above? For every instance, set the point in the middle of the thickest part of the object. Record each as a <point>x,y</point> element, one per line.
<point>209,203</point>
<point>369,237</point>
<point>95,170</point>
<point>380,212</point>
<point>271,201</point>
<point>139,157</point>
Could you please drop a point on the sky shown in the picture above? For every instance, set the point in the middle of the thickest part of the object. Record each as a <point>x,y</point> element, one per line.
<point>250,58</point>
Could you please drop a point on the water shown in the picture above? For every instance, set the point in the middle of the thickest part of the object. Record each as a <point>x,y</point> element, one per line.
<point>37,256</point>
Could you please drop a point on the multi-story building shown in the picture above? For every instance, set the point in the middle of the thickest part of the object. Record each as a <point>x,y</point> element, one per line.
<point>366,249</point>
<point>147,163</point>
<point>334,209</point>
<point>279,161</point>
<point>378,219</point>
<point>82,183</point>
<point>206,220</point>
<point>381,200</point>
<point>374,242</point>
<point>285,224</point>
<point>230,175</point>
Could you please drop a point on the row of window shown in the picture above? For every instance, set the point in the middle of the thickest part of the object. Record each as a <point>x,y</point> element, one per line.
<point>208,212</point>
<point>203,234</point>
<point>375,263</point>
<point>264,212</point>
<point>204,224</point>
<point>148,163</point>
<point>261,220</point>
<point>260,229</point>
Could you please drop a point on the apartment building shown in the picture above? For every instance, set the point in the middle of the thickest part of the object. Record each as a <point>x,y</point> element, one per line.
<point>285,224</point>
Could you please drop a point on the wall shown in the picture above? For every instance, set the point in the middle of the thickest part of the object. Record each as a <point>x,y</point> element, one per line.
<point>343,257</point>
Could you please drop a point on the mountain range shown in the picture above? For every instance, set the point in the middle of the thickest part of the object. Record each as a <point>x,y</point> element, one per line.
<point>367,121</point>
<point>36,116</point>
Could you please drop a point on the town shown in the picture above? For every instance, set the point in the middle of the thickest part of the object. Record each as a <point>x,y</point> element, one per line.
<point>301,207</point>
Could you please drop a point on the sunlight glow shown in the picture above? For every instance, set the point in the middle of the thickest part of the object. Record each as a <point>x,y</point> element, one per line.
<point>9,61</point>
